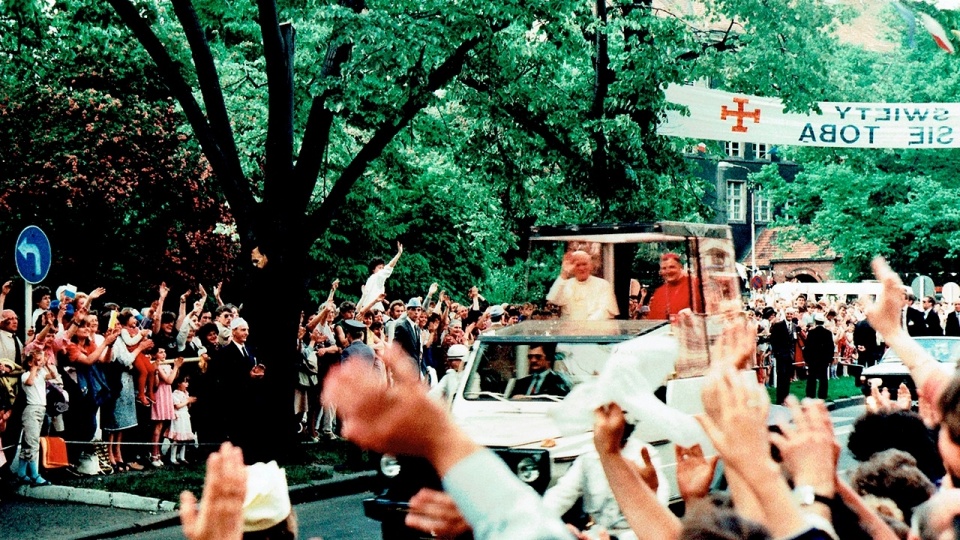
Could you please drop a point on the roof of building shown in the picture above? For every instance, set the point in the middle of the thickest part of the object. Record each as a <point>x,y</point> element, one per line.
<point>769,250</point>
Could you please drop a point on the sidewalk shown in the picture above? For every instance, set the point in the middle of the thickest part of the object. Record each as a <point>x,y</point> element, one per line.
<point>67,513</point>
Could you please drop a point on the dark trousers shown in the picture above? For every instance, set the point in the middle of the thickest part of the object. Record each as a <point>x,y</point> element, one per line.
<point>817,372</point>
<point>784,374</point>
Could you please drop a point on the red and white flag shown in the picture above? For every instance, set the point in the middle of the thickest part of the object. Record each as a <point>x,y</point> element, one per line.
<point>937,31</point>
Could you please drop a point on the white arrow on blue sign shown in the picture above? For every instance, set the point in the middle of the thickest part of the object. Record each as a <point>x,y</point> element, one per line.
<point>32,254</point>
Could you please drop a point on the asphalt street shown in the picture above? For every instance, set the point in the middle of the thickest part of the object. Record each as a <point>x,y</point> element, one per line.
<point>340,518</point>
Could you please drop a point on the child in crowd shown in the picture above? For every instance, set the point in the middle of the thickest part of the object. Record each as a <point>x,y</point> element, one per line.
<point>162,411</point>
<point>181,429</point>
<point>34,387</point>
<point>131,336</point>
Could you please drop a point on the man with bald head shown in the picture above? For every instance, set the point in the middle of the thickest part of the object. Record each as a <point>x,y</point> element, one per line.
<point>10,345</point>
<point>581,295</point>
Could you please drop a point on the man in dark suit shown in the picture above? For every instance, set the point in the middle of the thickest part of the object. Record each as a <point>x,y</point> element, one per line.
<point>542,379</point>
<point>783,344</point>
<point>406,334</point>
<point>818,354</point>
<point>237,392</point>
<point>912,319</point>
<point>865,340</point>
<point>953,320</point>
<point>931,320</point>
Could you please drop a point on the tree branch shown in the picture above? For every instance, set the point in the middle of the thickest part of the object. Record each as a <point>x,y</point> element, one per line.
<point>235,187</point>
<point>418,99</point>
<point>278,50</point>
<point>316,135</point>
<point>534,124</point>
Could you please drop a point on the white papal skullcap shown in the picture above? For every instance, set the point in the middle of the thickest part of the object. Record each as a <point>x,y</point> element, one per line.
<point>267,502</point>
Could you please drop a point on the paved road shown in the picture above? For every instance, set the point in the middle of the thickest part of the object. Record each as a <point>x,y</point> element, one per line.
<point>843,420</point>
<point>22,519</point>
<point>333,519</point>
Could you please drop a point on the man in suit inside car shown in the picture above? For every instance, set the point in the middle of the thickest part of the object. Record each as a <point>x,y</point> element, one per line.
<point>542,380</point>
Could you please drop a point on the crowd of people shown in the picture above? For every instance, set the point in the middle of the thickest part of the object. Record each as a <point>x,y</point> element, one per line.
<point>781,481</point>
<point>129,389</point>
<point>374,372</point>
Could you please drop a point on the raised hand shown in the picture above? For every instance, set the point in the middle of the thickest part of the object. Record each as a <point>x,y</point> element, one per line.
<point>609,423</point>
<point>164,290</point>
<point>808,449</point>
<point>435,512</point>
<point>647,470</point>
<point>220,515</point>
<point>97,293</point>
<point>737,421</point>
<point>884,315</point>
<point>904,399</point>
<point>694,472</point>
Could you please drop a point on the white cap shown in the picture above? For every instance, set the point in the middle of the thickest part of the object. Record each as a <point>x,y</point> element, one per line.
<point>238,322</point>
<point>457,352</point>
<point>267,501</point>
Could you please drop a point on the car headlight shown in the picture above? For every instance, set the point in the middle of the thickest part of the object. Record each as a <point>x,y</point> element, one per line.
<point>528,470</point>
<point>389,466</point>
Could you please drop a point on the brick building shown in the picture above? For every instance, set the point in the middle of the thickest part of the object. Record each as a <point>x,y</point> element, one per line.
<point>744,207</point>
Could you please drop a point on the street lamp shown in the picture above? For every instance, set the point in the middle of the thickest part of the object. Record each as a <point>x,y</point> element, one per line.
<point>724,166</point>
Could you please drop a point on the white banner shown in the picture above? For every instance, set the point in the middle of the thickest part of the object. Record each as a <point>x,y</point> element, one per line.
<point>723,116</point>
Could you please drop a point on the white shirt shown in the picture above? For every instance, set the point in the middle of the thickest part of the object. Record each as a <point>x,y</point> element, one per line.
<point>375,286</point>
<point>588,300</point>
<point>8,347</point>
<point>35,393</point>
<point>447,387</point>
<point>586,479</point>
<point>497,504</point>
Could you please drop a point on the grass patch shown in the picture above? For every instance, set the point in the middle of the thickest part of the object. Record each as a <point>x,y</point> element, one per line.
<point>843,387</point>
<point>308,462</point>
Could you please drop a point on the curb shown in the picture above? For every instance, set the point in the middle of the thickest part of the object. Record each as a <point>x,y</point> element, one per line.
<point>346,484</point>
<point>125,501</point>
<point>846,402</point>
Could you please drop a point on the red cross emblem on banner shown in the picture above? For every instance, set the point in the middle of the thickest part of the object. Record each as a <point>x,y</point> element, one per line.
<point>740,114</point>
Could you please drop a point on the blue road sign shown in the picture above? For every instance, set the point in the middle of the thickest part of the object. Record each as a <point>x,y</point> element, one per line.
<point>32,254</point>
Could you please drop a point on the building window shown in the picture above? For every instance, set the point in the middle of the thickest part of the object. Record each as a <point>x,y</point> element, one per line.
<point>762,210</point>
<point>735,201</point>
<point>733,149</point>
<point>761,151</point>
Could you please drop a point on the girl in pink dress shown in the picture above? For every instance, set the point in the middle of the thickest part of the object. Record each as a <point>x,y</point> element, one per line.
<point>162,411</point>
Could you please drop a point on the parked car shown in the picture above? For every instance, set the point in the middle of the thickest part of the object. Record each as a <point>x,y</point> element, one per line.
<point>889,372</point>
<point>495,407</point>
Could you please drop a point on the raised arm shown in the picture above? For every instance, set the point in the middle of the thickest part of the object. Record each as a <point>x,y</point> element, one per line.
<point>884,316</point>
<point>402,419</point>
<point>4,291</point>
<point>393,261</point>
<point>216,293</point>
<point>182,312</point>
<point>638,502</point>
<point>333,290</point>
<point>77,355</point>
<point>158,313</point>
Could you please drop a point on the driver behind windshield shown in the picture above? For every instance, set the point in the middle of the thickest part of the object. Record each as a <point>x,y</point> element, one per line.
<point>542,379</point>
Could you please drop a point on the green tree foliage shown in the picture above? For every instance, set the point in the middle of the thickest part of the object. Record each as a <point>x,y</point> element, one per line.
<point>898,203</point>
<point>124,195</point>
